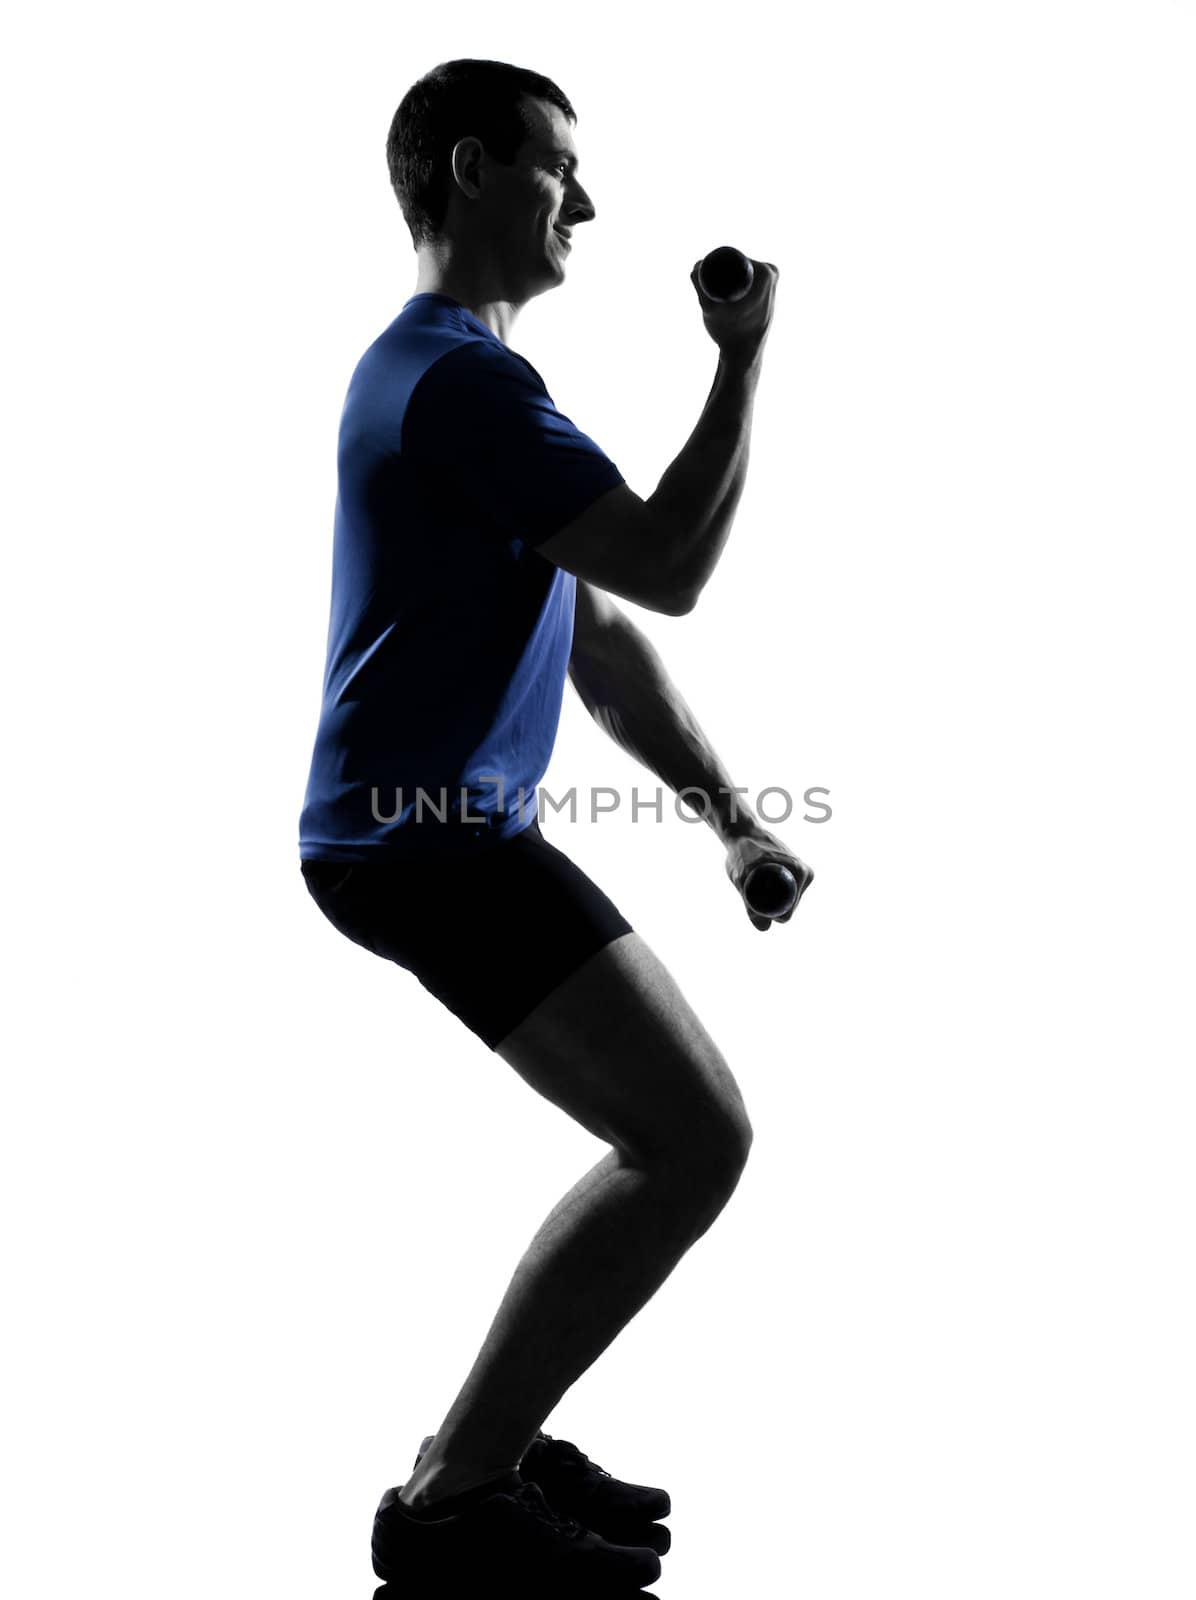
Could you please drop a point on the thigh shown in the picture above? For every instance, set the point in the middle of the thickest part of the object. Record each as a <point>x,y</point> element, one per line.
<point>489,935</point>
<point>618,1047</point>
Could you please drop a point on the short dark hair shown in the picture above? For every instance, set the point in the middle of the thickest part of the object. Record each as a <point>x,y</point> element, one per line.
<point>457,100</point>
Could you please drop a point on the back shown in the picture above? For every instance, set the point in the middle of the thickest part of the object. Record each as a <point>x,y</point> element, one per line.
<point>449,636</point>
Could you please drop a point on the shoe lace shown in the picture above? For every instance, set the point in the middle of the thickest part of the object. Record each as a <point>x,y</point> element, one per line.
<point>570,1457</point>
<point>531,1497</point>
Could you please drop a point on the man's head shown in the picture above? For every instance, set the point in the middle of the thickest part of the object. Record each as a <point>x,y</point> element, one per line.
<point>482,160</point>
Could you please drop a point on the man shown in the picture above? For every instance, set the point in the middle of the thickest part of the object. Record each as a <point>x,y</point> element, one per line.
<point>479,536</point>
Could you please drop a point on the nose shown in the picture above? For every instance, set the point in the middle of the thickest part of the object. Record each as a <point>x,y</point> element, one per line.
<point>578,207</point>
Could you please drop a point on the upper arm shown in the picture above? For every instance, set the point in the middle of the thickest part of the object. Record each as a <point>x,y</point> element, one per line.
<point>617,544</point>
<point>483,414</point>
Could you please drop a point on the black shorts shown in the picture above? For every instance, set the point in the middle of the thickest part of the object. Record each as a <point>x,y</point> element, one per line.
<point>490,936</point>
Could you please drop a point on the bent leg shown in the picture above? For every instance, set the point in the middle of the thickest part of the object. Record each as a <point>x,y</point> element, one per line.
<point>620,1049</point>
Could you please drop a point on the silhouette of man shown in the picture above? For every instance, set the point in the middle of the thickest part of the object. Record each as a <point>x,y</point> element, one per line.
<point>479,539</point>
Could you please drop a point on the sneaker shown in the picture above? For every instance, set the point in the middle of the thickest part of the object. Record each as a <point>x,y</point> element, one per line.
<point>509,1537</point>
<point>578,1487</point>
<point>574,1486</point>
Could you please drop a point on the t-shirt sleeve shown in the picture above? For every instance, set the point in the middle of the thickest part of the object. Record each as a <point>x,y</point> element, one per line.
<point>483,414</point>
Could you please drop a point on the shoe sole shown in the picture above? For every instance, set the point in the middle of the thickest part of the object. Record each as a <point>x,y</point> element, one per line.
<point>636,1535</point>
<point>591,1586</point>
<point>642,1568</point>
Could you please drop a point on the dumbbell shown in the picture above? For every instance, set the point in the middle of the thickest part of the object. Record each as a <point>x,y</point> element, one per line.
<point>770,889</point>
<point>725,274</point>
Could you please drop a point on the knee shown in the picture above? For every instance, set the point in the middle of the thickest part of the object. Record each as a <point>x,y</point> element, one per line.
<point>714,1159</point>
<point>731,1134</point>
<point>733,1154</point>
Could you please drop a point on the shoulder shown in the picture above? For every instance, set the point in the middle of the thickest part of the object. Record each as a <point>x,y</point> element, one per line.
<point>483,388</point>
<point>486,361</point>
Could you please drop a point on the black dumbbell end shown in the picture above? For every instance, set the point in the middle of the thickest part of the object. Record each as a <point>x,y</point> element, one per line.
<point>770,889</point>
<point>725,274</point>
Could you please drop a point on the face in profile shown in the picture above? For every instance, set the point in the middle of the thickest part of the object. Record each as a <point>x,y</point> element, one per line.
<point>535,204</point>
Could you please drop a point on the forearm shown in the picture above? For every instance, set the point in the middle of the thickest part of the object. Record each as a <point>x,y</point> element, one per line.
<point>698,494</point>
<point>629,693</point>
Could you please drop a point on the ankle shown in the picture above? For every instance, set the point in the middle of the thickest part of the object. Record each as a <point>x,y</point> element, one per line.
<point>426,1488</point>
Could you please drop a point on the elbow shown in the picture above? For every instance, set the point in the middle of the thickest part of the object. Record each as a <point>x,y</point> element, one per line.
<point>682,602</point>
<point>681,595</point>
<point>676,592</point>
<point>671,602</point>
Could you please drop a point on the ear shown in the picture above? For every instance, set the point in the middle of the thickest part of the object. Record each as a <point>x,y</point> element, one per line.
<point>466,164</point>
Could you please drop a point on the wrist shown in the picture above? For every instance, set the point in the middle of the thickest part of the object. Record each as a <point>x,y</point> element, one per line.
<point>744,365</point>
<point>733,820</point>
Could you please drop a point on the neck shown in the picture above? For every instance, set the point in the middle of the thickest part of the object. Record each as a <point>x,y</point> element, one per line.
<point>470,285</point>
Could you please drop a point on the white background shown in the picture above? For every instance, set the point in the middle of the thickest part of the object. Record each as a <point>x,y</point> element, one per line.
<point>262,1193</point>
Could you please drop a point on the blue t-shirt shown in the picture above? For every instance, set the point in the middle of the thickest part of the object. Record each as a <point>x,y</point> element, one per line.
<point>448,636</point>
